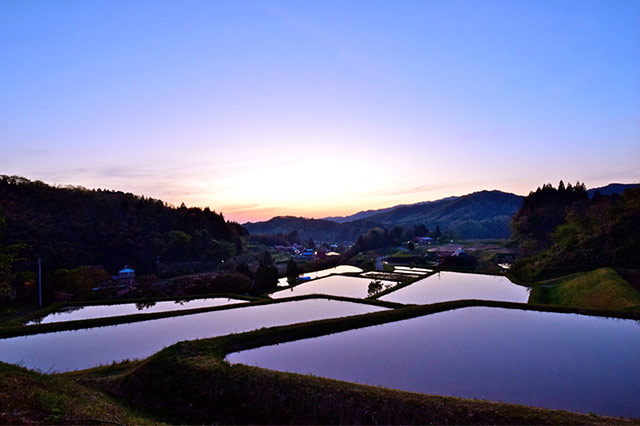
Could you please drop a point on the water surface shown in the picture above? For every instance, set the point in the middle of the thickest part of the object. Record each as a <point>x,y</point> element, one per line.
<point>341,269</point>
<point>446,286</point>
<point>335,285</point>
<point>80,349</point>
<point>563,361</point>
<point>410,270</point>
<point>72,313</point>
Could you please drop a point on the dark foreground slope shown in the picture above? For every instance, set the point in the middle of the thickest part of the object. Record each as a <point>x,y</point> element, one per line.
<point>27,397</point>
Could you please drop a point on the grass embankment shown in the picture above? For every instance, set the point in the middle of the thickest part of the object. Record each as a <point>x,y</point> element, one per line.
<point>190,381</point>
<point>27,397</point>
<point>602,288</point>
<point>23,330</point>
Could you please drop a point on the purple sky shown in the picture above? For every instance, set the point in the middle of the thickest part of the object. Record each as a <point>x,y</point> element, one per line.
<point>263,108</point>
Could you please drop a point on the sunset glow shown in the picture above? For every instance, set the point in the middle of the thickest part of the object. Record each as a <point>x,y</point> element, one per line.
<point>264,108</point>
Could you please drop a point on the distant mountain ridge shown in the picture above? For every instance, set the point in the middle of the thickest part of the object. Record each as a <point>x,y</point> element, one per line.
<point>317,229</point>
<point>368,213</point>
<point>482,214</point>
<point>612,188</point>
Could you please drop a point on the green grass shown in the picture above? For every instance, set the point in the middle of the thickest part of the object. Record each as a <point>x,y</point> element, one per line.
<point>27,397</point>
<point>602,288</point>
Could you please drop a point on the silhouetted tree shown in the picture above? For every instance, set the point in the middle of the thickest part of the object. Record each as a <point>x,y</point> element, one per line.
<point>421,230</point>
<point>311,244</point>
<point>293,273</point>
<point>437,233</point>
<point>7,259</point>
<point>293,237</point>
<point>266,277</point>
<point>244,269</point>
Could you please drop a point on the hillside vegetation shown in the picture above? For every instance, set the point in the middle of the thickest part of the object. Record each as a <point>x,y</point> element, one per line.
<point>72,226</point>
<point>484,214</point>
<point>27,397</point>
<point>316,229</point>
<point>559,231</point>
<point>602,288</point>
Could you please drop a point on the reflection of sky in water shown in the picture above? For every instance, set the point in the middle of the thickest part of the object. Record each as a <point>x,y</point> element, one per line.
<point>99,311</point>
<point>335,285</point>
<point>79,349</point>
<point>552,360</point>
<point>410,270</point>
<point>342,269</point>
<point>445,286</point>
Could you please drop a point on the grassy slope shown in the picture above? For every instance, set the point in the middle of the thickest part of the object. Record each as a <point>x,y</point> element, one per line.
<point>27,397</point>
<point>602,288</point>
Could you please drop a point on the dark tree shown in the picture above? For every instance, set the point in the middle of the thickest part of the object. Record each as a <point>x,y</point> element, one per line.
<point>561,232</point>
<point>437,233</point>
<point>293,237</point>
<point>542,212</point>
<point>266,277</point>
<point>293,273</point>
<point>7,259</point>
<point>244,269</point>
<point>421,230</point>
<point>311,244</point>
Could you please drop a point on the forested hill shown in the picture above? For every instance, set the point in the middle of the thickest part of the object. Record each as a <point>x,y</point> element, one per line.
<point>561,230</point>
<point>368,213</point>
<point>316,229</point>
<point>72,226</point>
<point>612,188</point>
<point>485,214</point>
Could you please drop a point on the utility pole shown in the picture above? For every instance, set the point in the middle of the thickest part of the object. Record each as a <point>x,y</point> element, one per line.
<point>40,281</point>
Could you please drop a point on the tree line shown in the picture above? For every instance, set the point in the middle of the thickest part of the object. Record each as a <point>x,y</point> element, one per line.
<point>72,226</point>
<point>560,231</point>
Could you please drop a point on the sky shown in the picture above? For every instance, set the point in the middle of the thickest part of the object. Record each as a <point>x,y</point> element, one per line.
<point>319,108</point>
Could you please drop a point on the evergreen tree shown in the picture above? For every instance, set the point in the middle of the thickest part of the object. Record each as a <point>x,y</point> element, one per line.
<point>293,273</point>
<point>293,237</point>
<point>7,259</point>
<point>437,233</point>
<point>244,269</point>
<point>266,277</point>
<point>421,230</point>
<point>311,244</point>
